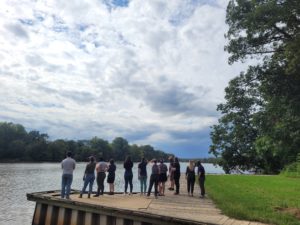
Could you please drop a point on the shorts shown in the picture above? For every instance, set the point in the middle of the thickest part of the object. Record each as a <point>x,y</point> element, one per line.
<point>110,178</point>
<point>162,177</point>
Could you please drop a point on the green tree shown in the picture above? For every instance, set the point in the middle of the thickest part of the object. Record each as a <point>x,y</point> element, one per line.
<point>120,148</point>
<point>101,147</point>
<point>268,130</point>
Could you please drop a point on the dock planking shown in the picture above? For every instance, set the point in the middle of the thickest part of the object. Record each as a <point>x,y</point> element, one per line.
<point>194,210</point>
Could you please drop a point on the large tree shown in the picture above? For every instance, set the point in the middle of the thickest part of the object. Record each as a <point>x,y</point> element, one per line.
<point>260,124</point>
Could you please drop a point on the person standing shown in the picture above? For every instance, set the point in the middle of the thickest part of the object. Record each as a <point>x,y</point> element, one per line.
<point>111,176</point>
<point>163,169</point>
<point>68,166</point>
<point>128,175</point>
<point>89,177</point>
<point>101,168</point>
<point>201,175</point>
<point>142,175</point>
<point>154,178</point>
<point>190,177</point>
<point>171,173</point>
<point>176,169</point>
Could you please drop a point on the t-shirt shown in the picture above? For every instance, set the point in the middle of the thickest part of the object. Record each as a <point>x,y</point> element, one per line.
<point>68,165</point>
<point>128,166</point>
<point>163,168</point>
<point>155,169</point>
<point>201,171</point>
<point>90,168</point>
<point>101,167</point>
<point>176,165</point>
<point>111,168</point>
<point>143,169</point>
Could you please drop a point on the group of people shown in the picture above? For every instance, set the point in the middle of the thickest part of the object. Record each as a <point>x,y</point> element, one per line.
<point>159,175</point>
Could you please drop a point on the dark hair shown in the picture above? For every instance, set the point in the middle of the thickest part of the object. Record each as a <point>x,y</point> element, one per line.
<point>92,159</point>
<point>69,154</point>
<point>111,161</point>
<point>161,161</point>
<point>128,158</point>
<point>101,159</point>
<point>143,159</point>
<point>176,160</point>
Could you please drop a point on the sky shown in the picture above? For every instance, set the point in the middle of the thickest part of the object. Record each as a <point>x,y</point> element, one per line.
<point>150,71</point>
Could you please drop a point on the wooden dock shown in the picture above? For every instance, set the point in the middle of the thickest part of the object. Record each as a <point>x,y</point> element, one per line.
<point>136,209</point>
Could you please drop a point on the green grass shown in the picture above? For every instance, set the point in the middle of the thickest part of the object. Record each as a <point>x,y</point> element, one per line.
<point>256,198</point>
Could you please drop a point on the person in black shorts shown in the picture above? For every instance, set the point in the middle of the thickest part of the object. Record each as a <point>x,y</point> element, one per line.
<point>111,176</point>
<point>162,177</point>
<point>154,178</point>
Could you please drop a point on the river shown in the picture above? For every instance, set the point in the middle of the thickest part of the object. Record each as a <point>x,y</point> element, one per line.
<point>20,178</point>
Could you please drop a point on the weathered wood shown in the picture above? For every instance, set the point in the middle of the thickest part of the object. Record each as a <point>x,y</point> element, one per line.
<point>119,221</point>
<point>166,210</point>
<point>103,219</point>
<point>61,216</point>
<point>88,218</point>
<point>49,215</point>
<point>37,214</point>
<point>74,217</point>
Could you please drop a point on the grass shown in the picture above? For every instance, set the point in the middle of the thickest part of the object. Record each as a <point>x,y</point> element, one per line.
<point>267,199</point>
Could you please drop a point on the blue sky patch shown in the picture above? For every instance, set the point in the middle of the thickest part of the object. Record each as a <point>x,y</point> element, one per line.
<point>111,4</point>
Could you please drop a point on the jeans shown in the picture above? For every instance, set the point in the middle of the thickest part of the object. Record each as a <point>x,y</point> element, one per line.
<point>128,179</point>
<point>89,180</point>
<point>143,182</point>
<point>66,182</point>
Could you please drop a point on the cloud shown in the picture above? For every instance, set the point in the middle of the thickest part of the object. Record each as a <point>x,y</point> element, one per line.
<point>150,71</point>
<point>17,31</point>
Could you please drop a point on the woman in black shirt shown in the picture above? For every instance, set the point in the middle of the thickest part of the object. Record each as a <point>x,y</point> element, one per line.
<point>128,164</point>
<point>111,176</point>
<point>190,177</point>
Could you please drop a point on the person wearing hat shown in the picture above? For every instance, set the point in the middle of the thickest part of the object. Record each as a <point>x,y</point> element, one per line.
<point>89,177</point>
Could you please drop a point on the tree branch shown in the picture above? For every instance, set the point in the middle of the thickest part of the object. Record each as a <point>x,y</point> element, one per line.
<point>288,36</point>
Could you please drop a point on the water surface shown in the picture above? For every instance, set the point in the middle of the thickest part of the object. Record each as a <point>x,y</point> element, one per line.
<point>18,179</point>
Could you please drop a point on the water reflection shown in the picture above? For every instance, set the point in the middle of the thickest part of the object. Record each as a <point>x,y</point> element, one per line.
<point>18,179</point>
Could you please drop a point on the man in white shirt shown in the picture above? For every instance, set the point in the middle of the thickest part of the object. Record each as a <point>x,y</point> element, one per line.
<point>68,166</point>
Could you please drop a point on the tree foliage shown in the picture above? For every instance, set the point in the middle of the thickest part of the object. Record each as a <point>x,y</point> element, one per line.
<point>260,123</point>
<point>16,144</point>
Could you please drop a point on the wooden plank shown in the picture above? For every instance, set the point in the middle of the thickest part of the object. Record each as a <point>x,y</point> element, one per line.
<point>49,215</point>
<point>74,217</point>
<point>37,214</point>
<point>88,218</point>
<point>240,222</point>
<point>119,221</point>
<point>103,220</point>
<point>223,220</point>
<point>137,222</point>
<point>229,222</point>
<point>61,216</point>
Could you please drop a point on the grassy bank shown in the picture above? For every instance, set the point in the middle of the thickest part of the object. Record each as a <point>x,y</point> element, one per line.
<point>268,199</point>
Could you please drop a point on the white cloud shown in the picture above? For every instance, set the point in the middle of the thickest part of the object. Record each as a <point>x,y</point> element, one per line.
<point>145,72</point>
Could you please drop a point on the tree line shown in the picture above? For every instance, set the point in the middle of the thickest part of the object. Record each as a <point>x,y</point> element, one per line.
<point>260,124</point>
<point>16,144</point>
